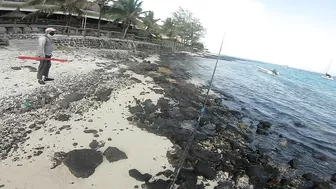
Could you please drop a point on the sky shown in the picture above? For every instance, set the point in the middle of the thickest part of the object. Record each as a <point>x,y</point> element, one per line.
<point>298,33</point>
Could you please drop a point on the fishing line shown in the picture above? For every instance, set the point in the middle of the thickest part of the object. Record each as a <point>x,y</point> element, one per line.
<point>192,134</point>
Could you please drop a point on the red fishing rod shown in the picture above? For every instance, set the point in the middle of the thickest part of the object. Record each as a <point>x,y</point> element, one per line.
<point>37,58</point>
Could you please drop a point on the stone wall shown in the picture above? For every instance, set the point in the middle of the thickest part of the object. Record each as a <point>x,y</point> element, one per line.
<point>103,43</point>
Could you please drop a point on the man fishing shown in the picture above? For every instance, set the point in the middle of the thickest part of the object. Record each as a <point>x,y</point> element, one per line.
<point>45,49</point>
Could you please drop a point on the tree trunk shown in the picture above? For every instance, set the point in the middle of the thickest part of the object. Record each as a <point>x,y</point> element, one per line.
<point>14,27</point>
<point>100,16</point>
<point>99,20</point>
<point>69,23</point>
<point>126,29</point>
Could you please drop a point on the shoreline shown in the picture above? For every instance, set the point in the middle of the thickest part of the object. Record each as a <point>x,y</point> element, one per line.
<point>156,102</point>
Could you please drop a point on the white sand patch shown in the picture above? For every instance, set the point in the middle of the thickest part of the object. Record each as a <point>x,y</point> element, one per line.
<point>146,152</point>
<point>153,58</point>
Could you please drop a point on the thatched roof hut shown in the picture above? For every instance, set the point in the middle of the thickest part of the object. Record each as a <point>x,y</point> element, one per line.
<point>16,14</point>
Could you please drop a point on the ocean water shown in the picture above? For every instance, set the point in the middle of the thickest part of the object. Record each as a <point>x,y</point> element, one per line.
<point>300,104</point>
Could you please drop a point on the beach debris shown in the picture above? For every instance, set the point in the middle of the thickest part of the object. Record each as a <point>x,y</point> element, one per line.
<point>139,176</point>
<point>283,143</point>
<point>82,163</point>
<point>242,126</point>
<point>294,163</point>
<point>27,105</point>
<point>113,154</point>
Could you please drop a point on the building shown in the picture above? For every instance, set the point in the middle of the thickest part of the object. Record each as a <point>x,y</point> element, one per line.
<point>38,23</point>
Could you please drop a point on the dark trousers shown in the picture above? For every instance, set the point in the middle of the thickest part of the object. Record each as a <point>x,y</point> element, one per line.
<point>43,69</point>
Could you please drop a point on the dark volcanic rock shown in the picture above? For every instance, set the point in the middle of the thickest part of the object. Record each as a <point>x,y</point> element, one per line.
<point>113,154</point>
<point>65,127</point>
<point>63,117</point>
<point>263,127</point>
<point>294,163</point>
<point>285,181</point>
<point>72,97</point>
<point>308,176</point>
<point>186,175</point>
<point>188,184</point>
<point>157,184</point>
<point>139,176</point>
<point>333,177</point>
<point>136,109</point>
<point>82,163</point>
<point>205,170</point>
<point>94,144</point>
<point>136,80</point>
<point>209,129</point>
<point>224,185</point>
<point>166,173</point>
<point>93,131</point>
<point>257,174</point>
<point>299,124</point>
<point>103,95</point>
<point>15,68</point>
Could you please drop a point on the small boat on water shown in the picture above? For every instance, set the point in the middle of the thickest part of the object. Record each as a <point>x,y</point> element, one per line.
<point>327,75</point>
<point>267,71</point>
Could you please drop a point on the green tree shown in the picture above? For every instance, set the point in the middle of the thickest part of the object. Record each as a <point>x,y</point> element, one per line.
<point>50,6</point>
<point>128,12</point>
<point>168,27</point>
<point>150,22</point>
<point>187,27</point>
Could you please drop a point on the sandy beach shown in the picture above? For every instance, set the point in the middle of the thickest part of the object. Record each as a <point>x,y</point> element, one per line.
<point>24,169</point>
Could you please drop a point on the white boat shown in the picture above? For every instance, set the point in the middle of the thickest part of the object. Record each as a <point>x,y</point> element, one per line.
<point>267,71</point>
<point>328,76</point>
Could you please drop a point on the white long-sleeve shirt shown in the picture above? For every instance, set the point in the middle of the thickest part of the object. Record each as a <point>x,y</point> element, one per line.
<point>45,46</point>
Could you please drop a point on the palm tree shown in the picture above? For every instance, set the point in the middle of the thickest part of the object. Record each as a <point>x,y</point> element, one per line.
<point>51,6</point>
<point>150,22</point>
<point>169,27</point>
<point>103,7</point>
<point>128,12</point>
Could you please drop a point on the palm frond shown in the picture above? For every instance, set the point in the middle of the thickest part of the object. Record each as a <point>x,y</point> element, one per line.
<point>33,3</point>
<point>49,11</point>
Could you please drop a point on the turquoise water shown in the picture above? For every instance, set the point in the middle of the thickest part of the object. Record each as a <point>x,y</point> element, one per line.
<point>300,104</point>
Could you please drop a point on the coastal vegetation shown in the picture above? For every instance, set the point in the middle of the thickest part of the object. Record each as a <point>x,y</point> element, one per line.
<point>182,26</point>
